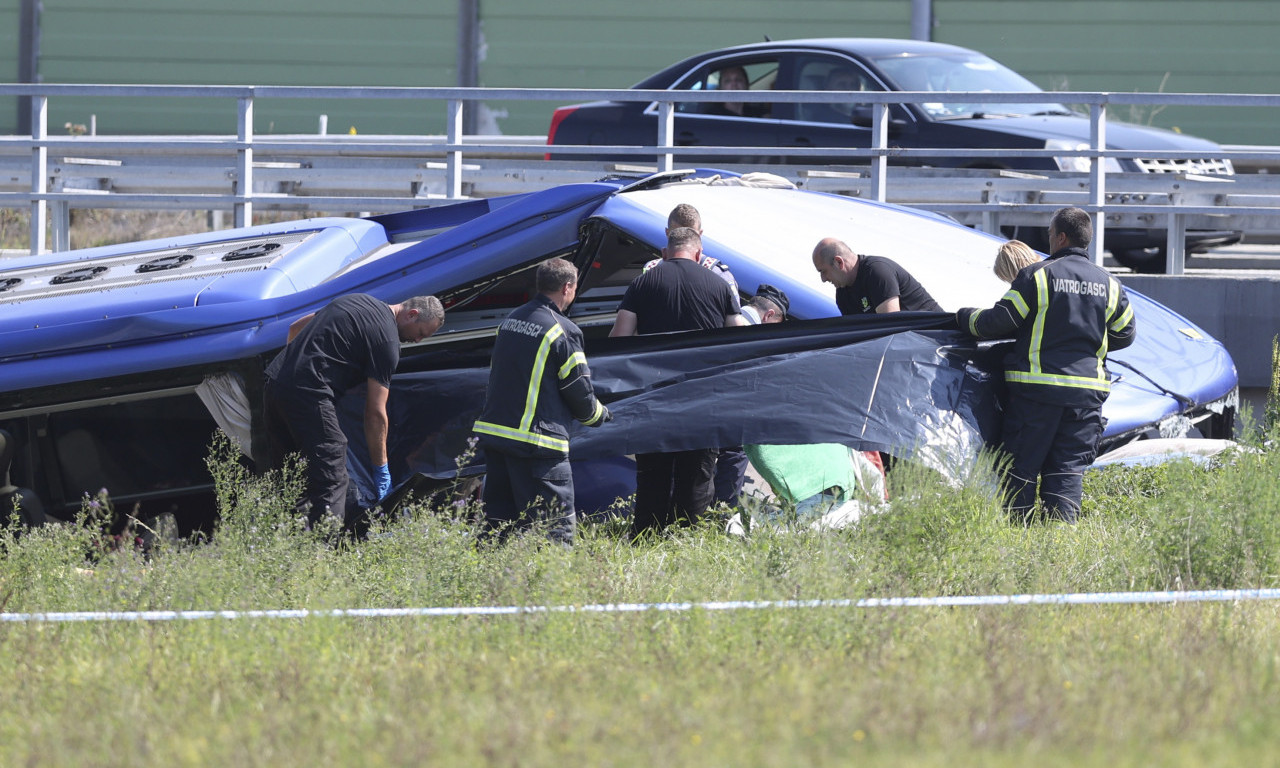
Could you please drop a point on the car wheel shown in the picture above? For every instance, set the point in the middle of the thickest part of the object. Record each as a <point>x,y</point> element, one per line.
<point>1149,261</point>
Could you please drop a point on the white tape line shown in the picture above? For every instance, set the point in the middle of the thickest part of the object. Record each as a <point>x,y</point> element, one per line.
<point>960,601</point>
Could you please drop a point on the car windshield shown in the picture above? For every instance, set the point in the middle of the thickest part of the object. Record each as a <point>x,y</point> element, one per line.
<point>963,72</point>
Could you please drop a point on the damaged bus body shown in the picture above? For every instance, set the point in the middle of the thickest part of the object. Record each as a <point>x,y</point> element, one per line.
<point>117,363</point>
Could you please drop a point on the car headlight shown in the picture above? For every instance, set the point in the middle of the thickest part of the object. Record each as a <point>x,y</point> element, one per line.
<point>1078,164</point>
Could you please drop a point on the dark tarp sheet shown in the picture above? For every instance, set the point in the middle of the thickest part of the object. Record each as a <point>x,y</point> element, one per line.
<point>897,383</point>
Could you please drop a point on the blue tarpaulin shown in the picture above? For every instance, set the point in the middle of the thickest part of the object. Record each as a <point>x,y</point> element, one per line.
<point>903,383</point>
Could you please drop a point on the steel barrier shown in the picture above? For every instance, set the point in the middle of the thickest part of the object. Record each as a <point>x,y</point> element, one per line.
<point>237,162</point>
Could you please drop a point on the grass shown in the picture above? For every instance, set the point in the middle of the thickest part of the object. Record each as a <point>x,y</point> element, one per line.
<point>1134,685</point>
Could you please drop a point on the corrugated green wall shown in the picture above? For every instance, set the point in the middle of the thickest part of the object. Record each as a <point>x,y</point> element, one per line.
<point>9,13</point>
<point>583,44</point>
<point>1175,46</point>
<point>248,42</point>
<point>1116,45</point>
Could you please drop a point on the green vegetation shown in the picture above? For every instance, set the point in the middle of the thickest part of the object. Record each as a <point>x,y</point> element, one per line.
<point>1187,684</point>
<point>1271,418</point>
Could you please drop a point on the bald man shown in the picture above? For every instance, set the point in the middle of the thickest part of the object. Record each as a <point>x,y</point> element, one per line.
<point>869,284</point>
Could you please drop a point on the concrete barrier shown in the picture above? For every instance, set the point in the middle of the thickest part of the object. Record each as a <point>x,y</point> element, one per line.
<point>1240,310</point>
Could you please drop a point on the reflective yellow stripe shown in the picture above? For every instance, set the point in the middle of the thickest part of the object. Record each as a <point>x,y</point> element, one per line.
<point>1037,326</point>
<point>1123,320</point>
<point>1056,380</point>
<point>1018,303</point>
<point>973,321</point>
<point>1113,299</point>
<point>596,414</point>
<point>521,436</point>
<point>535,376</point>
<point>576,359</point>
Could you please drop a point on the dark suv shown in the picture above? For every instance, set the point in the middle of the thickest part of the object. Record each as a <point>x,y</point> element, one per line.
<point>851,64</point>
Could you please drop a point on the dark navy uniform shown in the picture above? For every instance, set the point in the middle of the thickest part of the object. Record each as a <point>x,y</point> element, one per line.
<point>1065,313</point>
<point>539,384</point>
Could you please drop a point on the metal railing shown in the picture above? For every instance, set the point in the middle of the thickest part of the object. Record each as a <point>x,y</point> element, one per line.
<point>1257,205</point>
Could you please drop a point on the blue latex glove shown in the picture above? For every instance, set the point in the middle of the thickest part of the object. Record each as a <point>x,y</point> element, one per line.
<point>383,475</point>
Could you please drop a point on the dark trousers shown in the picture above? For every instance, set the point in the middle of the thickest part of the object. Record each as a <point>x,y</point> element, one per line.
<point>1055,444</point>
<point>672,487</point>
<point>309,426</point>
<point>731,472</point>
<point>520,492</point>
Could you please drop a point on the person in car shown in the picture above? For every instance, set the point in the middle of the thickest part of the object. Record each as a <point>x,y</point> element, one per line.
<point>1011,257</point>
<point>539,384</point>
<point>355,340</point>
<point>679,295</point>
<point>838,79</point>
<point>869,284</point>
<point>731,79</point>
<point>735,79</point>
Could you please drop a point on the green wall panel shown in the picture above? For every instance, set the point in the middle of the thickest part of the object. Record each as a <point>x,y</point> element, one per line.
<point>580,44</point>
<point>1175,46</point>
<point>10,15</point>
<point>1113,45</point>
<point>317,42</point>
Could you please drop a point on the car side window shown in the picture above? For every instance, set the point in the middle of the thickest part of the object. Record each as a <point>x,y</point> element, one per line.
<point>728,76</point>
<point>826,73</point>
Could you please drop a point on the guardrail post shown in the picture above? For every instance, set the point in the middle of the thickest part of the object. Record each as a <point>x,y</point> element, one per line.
<point>244,164</point>
<point>880,143</point>
<point>39,171</point>
<point>453,158</point>
<point>991,215</point>
<point>666,130</point>
<point>1098,179</point>
<point>60,222</point>
<point>1176,248</point>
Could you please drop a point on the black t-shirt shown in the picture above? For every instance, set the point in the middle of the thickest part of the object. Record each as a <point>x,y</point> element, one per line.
<point>353,339</point>
<point>878,280</point>
<point>678,295</point>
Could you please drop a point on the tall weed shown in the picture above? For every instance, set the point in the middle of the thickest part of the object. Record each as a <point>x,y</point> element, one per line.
<point>1271,420</point>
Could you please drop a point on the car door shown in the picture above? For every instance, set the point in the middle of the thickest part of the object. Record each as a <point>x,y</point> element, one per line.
<point>843,124</point>
<point>728,123</point>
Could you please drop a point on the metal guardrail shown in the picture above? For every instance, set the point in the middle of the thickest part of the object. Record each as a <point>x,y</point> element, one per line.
<point>1181,201</point>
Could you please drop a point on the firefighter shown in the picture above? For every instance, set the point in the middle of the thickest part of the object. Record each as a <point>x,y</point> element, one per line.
<point>538,384</point>
<point>1065,313</point>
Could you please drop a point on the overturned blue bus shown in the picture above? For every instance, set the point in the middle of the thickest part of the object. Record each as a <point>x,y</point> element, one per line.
<point>118,363</point>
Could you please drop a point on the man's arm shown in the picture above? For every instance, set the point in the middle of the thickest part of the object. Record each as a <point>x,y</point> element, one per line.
<point>889,305</point>
<point>882,282</point>
<point>1001,321</point>
<point>624,324</point>
<point>575,382</point>
<point>296,326</point>
<point>1122,328</point>
<point>375,421</point>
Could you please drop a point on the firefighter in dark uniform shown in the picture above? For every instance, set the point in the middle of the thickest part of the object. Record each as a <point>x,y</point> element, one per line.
<point>1065,314</point>
<point>538,384</point>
